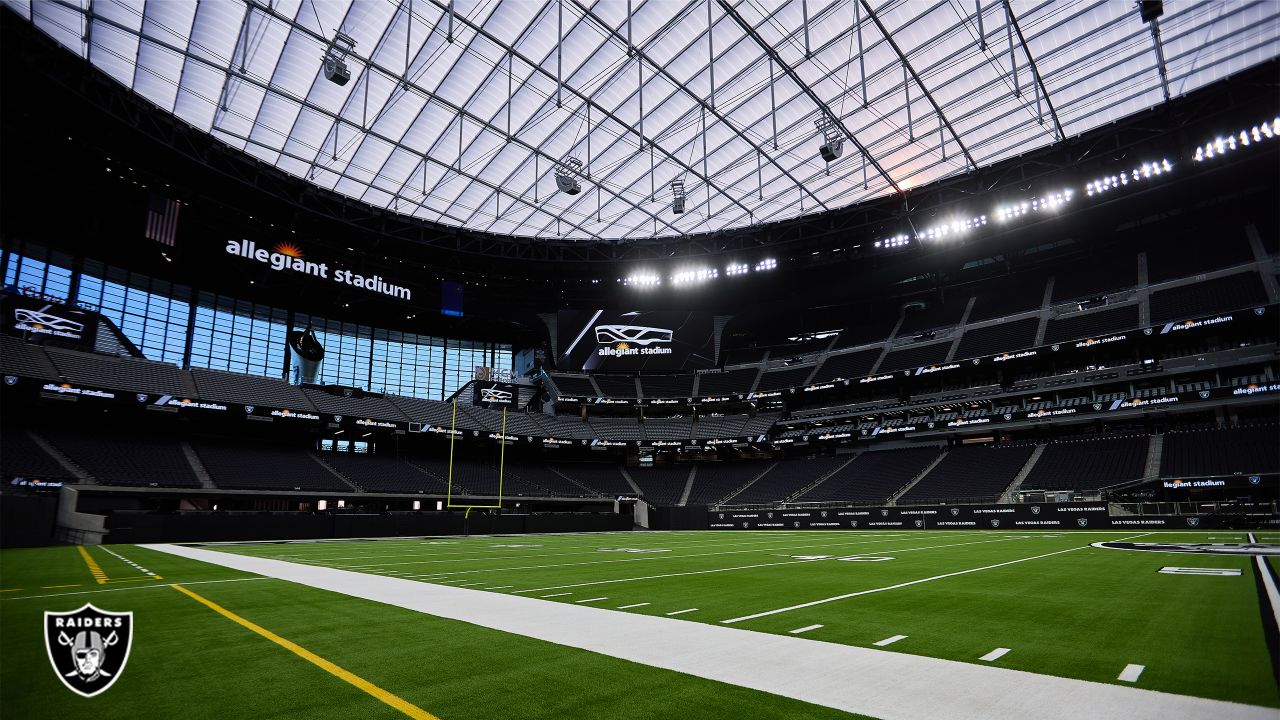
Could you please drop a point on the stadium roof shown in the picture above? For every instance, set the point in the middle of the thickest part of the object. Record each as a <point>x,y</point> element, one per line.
<point>455,111</point>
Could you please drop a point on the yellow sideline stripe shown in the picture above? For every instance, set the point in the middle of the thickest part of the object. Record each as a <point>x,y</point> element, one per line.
<point>98,575</point>
<point>394,701</point>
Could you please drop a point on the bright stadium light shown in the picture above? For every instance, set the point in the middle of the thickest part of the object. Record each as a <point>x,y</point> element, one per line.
<point>1047,203</point>
<point>951,229</point>
<point>1145,171</point>
<point>694,275</point>
<point>737,269</point>
<point>1244,138</point>
<point>642,279</point>
<point>893,242</point>
<point>766,264</point>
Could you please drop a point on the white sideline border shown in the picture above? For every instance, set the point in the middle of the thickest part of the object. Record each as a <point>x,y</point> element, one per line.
<point>883,684</point>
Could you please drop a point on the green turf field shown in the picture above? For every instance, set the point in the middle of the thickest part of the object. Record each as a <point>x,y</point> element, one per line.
<point>1058,607</point>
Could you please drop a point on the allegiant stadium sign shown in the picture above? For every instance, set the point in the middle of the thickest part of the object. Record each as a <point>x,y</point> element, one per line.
<point>286,257</point>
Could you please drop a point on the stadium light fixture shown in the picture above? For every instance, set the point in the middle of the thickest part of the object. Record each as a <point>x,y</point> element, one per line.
<point>567,175</point>
<point>335,59</point>
<point>677,197</point>
<point>766,264</point>
<point>737,269</point>
<point>832,143</point>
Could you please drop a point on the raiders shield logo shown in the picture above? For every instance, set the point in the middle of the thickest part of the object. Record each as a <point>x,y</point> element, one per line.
<point>88,648</point>
<point>823,513</point>
<point>1035,509</point>
<point>248,409</point>
<point>1097,406</point>
<point>337,418</point>
<point>919,523</point>
<point>796,523</point>
<point>1193,521</point>
<point>10,379</point>
<point>1008,416</point>
<point>1082,522</point>
<point>1146,331</point>
<point>853,523</point>
<point>745,524</point>
<point>995,522</point>
<point>1204,394</point>
<point>955,512</point>
<point>884,513</point>
<point>770,516</point>
<point>142,397</point>
<point>721,516</point>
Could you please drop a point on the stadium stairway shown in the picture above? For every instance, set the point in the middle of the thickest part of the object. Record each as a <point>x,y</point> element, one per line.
<point>588,490</point>
<point>745,485</point>
<point>1007,495</point>
<point>688,487</point>
<point>1155,451</point>
<point>820,480</point>
<point>81,475</point>
<point>197,467</point>
<point>333,471</point>
<point>630,481</point>
<point>893,499</point>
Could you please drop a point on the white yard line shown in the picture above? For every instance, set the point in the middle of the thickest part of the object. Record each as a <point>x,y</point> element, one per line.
<point>804,629</point>
<point>887,685</point>
<point>666,575</point>
<point>995,654</point>
<point>1131,673</point>
<point>889,640</point>
<point>846,596</point>
<point>554,595</point>
<point>633,605</point>
<point>587,600</point>
<point>681,612</point>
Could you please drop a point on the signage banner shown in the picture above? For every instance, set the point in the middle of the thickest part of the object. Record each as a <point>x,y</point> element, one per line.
<point>42,319</point>
<point>1030,518</point>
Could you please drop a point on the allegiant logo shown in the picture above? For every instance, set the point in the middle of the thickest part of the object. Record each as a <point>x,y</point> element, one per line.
<point>289,257</point>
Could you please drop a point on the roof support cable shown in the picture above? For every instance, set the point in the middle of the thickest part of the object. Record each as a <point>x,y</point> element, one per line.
<point>982,34</point>
<point>1013,61</point>
<point>511,66</point>
<point>640,93</point>
<point>942,138</point>
<point>711,60</point>
<point>1164,74</point>
<point>630,47</point>
<point>559,52</point>
<point>862,58</point>
<point>804,14</point>
<point>906,90</point>
<point>773,105</point>
<point>408,40</point>
<point>706,174</point>
<point>449,35</point>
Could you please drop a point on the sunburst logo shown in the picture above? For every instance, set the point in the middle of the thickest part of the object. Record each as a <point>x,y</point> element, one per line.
<point>289,249</point>
<point>623,346</point>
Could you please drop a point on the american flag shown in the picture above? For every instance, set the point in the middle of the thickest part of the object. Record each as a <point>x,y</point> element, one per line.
<point>162,220</point>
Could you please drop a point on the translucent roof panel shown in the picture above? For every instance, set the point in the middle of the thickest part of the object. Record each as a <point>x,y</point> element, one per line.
<point>464,112</point>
